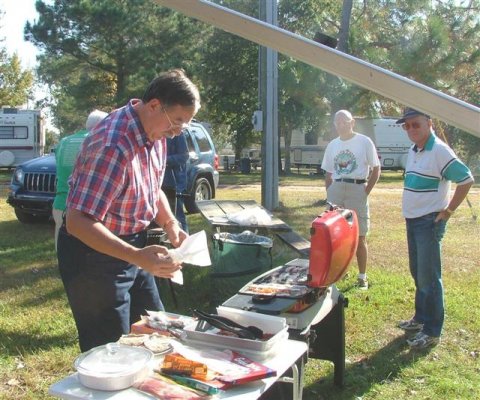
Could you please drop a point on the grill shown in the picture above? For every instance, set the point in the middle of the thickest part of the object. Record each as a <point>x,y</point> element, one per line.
<point>302,290</point>
<point>40,182</point>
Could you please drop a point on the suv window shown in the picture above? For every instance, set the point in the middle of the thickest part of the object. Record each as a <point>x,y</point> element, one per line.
<point>190,145</point>
<point>202,140</point>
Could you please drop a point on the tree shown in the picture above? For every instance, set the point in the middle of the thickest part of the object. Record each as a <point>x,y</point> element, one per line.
<point>436,45</point>
<point>228,72</point>
<point>100,53</point>
<point>15,82</point>
<point>303,101</point>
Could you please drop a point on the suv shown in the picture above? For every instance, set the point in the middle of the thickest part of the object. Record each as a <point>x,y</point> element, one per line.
<point>33,184</point>
<point>32,189</point>
<point>202,166</point>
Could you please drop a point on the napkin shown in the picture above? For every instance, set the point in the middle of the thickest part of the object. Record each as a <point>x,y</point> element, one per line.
<point>193,250</point>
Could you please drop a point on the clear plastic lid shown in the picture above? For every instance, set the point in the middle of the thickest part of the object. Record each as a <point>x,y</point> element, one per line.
<point>113,359</point>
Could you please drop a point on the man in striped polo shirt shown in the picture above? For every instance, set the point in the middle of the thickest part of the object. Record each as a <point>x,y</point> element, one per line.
<point>115,193</point>
<point>427,206</point>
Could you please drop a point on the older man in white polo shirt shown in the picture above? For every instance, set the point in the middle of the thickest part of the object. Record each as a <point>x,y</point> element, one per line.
<point>427,206</point>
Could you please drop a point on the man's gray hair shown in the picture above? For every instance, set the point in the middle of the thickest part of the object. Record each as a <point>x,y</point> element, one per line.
<point>94,118</point>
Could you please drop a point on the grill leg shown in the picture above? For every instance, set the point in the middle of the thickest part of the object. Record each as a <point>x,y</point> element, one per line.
<point>330,340</point>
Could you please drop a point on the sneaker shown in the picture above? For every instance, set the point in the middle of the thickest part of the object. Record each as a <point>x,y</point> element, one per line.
<point>362,284</point>
<point>410,325</point>
<point>422,340</point>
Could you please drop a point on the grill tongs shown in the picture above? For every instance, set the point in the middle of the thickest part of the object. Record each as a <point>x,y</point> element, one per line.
<point>223,323</point>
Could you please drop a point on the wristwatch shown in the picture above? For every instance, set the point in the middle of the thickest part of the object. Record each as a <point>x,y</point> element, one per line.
<point>450,212</point>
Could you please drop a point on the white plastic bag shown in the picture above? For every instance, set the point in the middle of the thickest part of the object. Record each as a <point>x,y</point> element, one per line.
<point>251,216</point>
<point>193,250</point>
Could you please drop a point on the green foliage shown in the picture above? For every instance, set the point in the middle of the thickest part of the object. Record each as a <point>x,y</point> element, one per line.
<point>51,139</point>
<point>15,83</point>
<point>228,71</point>
<point>98,54</point>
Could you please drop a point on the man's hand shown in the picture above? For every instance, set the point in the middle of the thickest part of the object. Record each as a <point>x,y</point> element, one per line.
<point>444,214</point>
<point>155,260</point>
<point>175,234</point>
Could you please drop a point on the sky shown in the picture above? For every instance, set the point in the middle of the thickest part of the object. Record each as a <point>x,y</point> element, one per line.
<point>16,14</point>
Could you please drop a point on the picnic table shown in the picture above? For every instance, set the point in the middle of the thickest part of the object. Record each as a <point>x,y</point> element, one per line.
<point>216,213</point>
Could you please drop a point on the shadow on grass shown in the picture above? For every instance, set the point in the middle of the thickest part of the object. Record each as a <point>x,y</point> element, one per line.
<point>14,343</point>
<point>27,253</point>
<point>27,273</point>
<point>382,367</point>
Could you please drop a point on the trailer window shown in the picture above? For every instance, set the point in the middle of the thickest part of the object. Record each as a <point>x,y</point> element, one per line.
<point>13,132</point>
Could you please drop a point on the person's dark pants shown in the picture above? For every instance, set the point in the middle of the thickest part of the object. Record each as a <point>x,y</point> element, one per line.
<point>176,205</point>
<point>171,195</point>
<point>106,294</point>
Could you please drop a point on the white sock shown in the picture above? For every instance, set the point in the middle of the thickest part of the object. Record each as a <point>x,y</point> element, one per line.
<point>362,276</point>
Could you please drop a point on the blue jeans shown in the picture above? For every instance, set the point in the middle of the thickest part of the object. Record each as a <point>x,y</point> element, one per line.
<point>424,252</point>
<point>106,294</point>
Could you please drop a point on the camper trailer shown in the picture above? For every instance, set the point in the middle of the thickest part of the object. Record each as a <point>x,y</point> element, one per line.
<point>309,156</point>
<point>22,136</point>
<point>390,139</point>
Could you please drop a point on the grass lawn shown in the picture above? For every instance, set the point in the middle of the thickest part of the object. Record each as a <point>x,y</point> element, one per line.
<point>38,337</point>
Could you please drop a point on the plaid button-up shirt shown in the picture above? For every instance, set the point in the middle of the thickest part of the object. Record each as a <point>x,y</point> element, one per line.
<point>118,174</point>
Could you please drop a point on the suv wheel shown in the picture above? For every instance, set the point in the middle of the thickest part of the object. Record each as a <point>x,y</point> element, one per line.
<point>202,191</point>
<point>26,218</point>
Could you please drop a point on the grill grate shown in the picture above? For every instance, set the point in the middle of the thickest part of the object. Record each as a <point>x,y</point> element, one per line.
<point>40,182</point>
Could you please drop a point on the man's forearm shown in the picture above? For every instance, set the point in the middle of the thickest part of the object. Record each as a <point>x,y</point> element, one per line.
<point>459,195</point>
<point>165,214</point>
<point>373,179</point>
<point>328,180</point>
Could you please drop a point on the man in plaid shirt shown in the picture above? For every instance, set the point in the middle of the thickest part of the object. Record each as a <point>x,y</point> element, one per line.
<point>115,193</point>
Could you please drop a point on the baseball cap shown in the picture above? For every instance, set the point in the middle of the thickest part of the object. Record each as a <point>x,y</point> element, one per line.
<point>409,113</point>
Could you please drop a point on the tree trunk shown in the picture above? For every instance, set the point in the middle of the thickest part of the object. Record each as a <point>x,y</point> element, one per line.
<point>345,26</point>
<point>342,44</point>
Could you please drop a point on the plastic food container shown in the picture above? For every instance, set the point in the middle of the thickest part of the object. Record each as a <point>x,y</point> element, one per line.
<point>256,349</point>
<point>113,366</point>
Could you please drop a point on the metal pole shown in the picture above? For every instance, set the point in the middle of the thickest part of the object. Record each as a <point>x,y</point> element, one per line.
<point>269,98</point>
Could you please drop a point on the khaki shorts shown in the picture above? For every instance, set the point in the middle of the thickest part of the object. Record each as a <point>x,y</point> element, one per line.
<point>353,197</point>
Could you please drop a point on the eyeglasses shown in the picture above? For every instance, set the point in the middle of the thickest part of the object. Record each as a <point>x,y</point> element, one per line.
<point>172,125</point>
<point>414,125</point>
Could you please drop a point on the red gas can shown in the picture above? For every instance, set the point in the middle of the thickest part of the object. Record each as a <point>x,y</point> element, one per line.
<point>334,240</point>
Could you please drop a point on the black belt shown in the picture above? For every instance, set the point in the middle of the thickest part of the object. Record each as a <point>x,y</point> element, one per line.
<point>348,180</point>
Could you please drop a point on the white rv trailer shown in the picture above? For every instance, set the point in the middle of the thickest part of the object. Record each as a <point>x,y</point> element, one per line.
<point>391,141</point>
<point>22,136</point>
